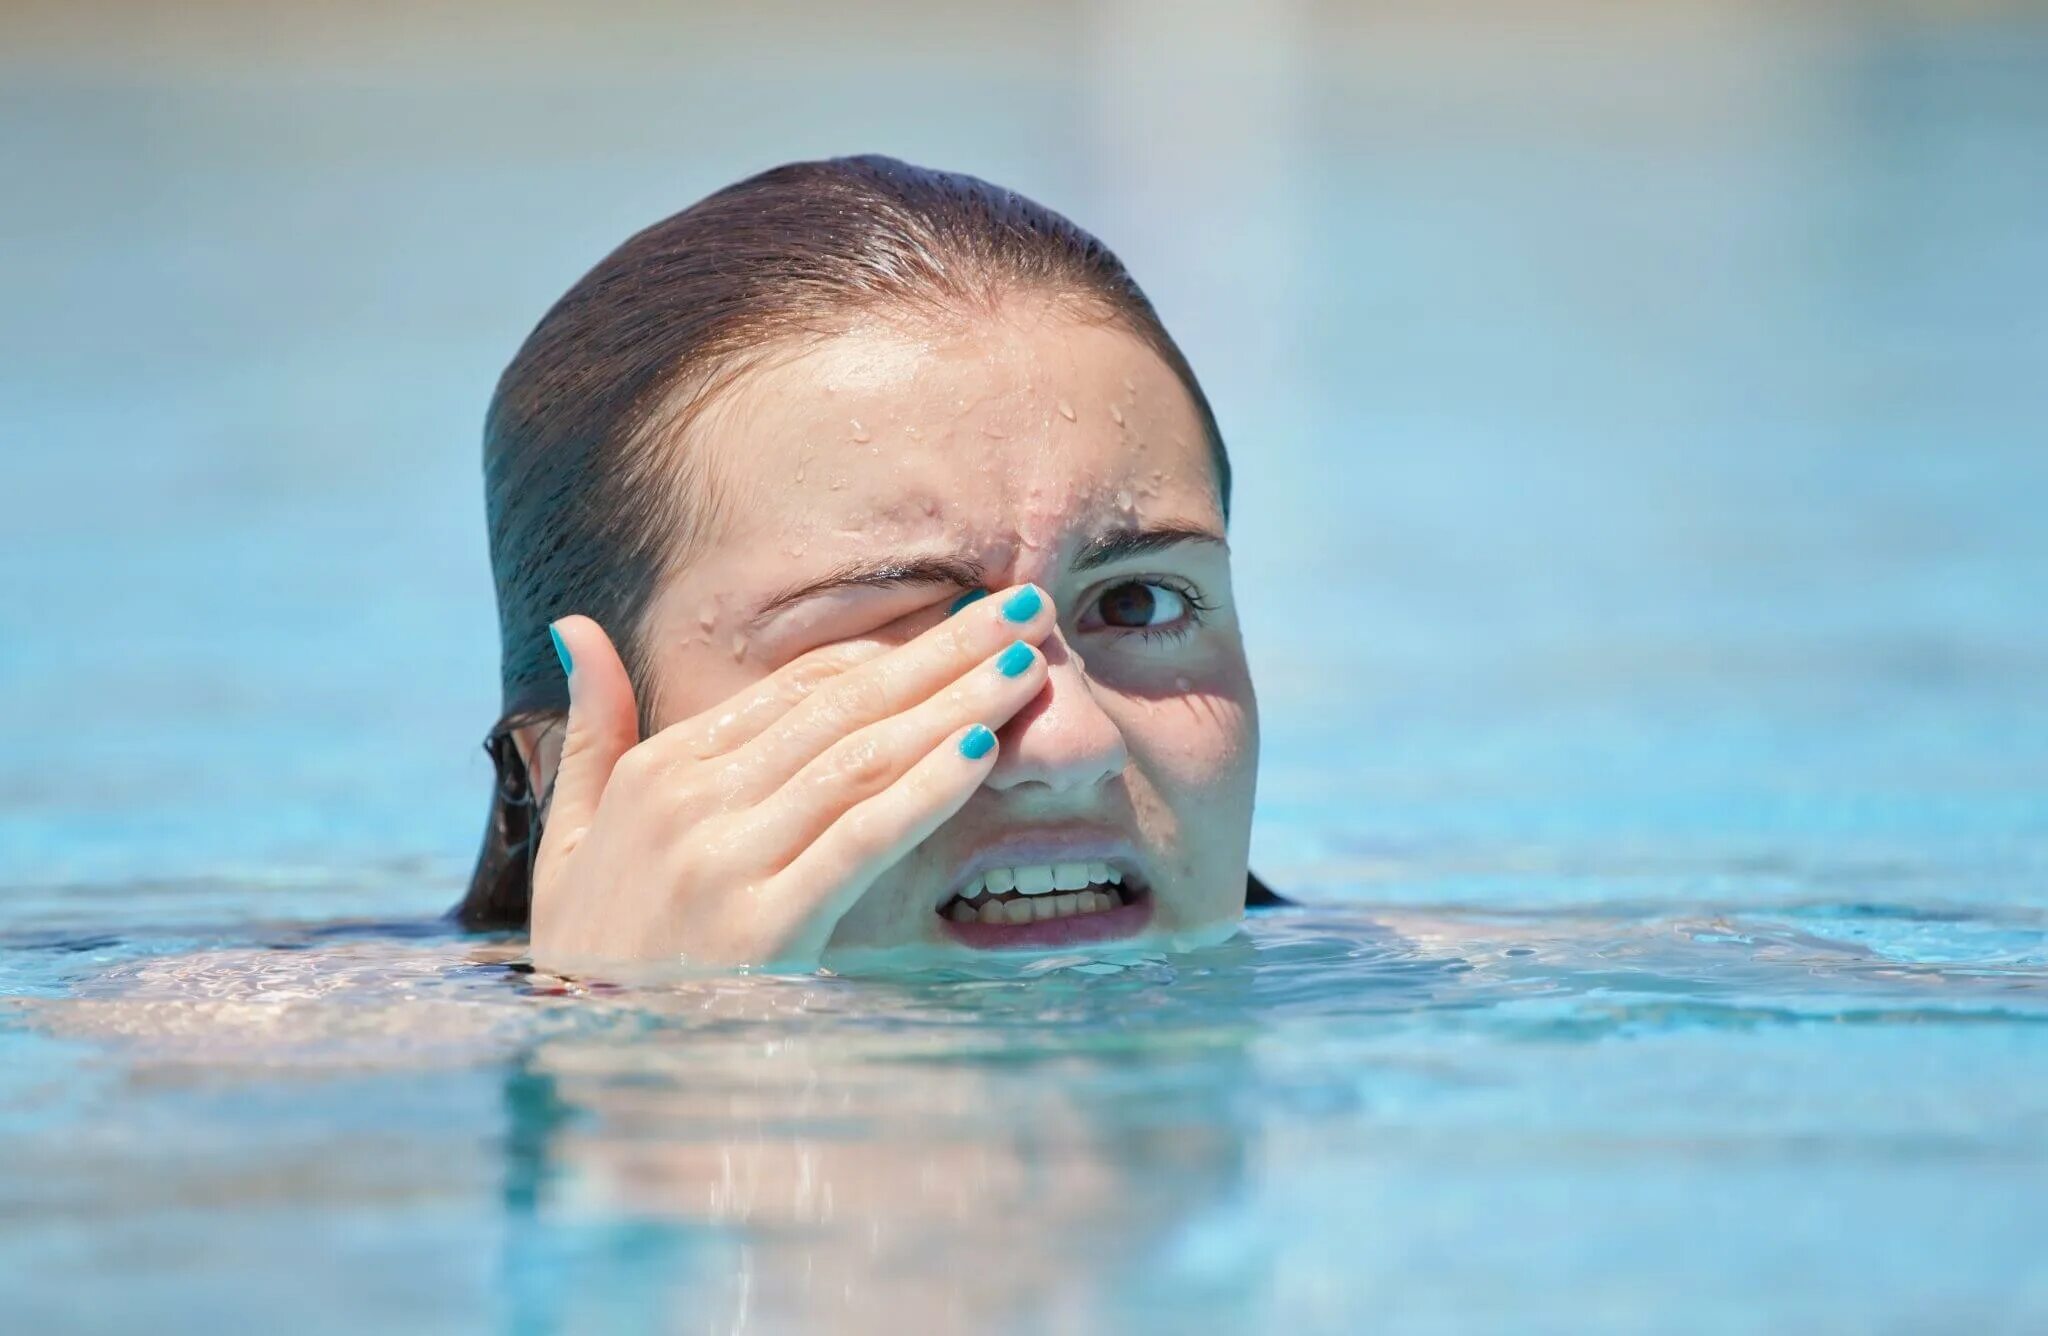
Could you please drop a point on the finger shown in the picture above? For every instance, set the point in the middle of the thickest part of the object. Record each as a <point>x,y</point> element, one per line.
<point>891,684</point>
<point>734,722</point>
<point>603,725</point>
<point>862,764</point>
<point>814,892</point>
<point>740,718</point>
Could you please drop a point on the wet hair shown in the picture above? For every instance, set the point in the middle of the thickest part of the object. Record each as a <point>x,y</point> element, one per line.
<point>588,500</point>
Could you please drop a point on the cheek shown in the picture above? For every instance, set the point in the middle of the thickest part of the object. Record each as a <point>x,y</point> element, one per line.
<point>1199,745</point>
<point>1196,753</point>
<point>696,655</point>
<point>691,678</point>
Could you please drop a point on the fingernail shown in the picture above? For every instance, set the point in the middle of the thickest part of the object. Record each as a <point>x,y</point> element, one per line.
<point>969,597</point>
<point>1023,605</point>
<point>1013,661</point>
<point>976,743</point>
<point>561,651</point>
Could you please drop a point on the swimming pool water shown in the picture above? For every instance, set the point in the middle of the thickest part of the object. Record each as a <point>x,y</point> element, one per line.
<point>1828,1116</point>
<point>1639,429</point>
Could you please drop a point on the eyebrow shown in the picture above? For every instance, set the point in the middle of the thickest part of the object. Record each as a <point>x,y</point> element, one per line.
<point>964,573</point>
<point>1123,544</point>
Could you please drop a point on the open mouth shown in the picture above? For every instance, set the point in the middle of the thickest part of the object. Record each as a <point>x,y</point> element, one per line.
<point>1050,904</point>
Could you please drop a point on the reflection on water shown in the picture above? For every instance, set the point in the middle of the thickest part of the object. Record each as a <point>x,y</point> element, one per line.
<point>1286,1127</point>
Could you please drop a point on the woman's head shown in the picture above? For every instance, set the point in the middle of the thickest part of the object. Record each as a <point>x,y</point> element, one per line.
<point>818,405</point>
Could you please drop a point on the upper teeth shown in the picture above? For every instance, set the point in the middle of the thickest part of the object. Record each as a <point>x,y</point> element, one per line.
<point>1042,879</point>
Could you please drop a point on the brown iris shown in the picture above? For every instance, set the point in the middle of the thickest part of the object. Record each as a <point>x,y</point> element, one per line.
<point>1132,604</point>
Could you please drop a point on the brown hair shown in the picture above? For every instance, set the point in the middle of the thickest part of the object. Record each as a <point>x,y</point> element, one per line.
<point>587,509</point>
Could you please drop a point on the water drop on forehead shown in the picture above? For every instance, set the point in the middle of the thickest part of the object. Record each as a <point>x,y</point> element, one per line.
<point>1066,410</point>
<point>1116,415</point>
<point>861,435</point>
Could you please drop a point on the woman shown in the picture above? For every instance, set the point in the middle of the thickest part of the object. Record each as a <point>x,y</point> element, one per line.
<point>859,544</point>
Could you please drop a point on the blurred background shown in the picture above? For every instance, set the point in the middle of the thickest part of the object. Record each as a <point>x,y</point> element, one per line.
<point>1640,411</point>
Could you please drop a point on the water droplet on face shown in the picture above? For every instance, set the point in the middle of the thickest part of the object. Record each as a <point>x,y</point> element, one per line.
<point>739,648</point>
<point>861,434</point>
<point>1130,385</point>
<point>1116,415</point>
<point>707,616</point>
<point>1066,410</point>
<point>1181,684</point>
<point>836,484</point>
<point>1124,501</point>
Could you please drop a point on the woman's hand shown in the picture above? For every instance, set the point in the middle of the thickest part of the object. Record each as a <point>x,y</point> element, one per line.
<point>741,835</point>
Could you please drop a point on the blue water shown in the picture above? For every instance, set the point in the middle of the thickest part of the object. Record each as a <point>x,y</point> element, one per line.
<point>1642,438</point>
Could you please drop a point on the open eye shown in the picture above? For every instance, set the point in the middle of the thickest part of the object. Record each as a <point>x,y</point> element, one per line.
<point>1147,606</point>
<point>1136,604</point>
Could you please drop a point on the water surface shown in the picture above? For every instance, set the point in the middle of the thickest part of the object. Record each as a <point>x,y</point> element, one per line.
<point>1599,1116</point>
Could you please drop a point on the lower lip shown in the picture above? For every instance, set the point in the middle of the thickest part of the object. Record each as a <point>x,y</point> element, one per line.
<point>1104,925</point>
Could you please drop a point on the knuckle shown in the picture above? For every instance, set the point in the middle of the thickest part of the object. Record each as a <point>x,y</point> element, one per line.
<point>825,664</point>
<point>810,673</point>
<point>702,746</point>
<point>860,699</point>
<point>576,739</point>
<point>957,640</point>
<point>635,768</point>
<point>727,787</point>
<point>861,762</point>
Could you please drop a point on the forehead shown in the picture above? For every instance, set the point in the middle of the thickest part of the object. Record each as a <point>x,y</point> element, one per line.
<point>1006,435</point>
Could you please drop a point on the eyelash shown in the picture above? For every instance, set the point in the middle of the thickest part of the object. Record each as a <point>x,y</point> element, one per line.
<point>1197,606</point>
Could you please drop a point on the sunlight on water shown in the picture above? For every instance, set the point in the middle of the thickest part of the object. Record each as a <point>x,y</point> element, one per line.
<point>1281,1129</point>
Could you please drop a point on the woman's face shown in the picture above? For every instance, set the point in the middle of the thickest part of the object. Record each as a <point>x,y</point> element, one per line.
<point>911,465</point>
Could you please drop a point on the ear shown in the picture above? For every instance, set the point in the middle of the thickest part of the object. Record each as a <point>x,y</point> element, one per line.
<point>540,751</point>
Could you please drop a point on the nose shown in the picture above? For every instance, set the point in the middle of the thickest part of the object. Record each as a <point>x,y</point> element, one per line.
<point>1063,739</point>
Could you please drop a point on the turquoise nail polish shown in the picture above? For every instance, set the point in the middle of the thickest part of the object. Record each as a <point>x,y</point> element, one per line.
<point>1023,605</point>
<point>1013,661</point>
<point>971,596</point>
<point>561,651</point>
<point>977,742</point>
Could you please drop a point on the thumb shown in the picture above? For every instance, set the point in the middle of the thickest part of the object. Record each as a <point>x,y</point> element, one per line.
<point>603,725</point>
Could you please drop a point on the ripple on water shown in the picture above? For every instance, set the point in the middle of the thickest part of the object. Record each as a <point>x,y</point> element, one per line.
<point>419,986</point>
<point>1153,1141</point>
